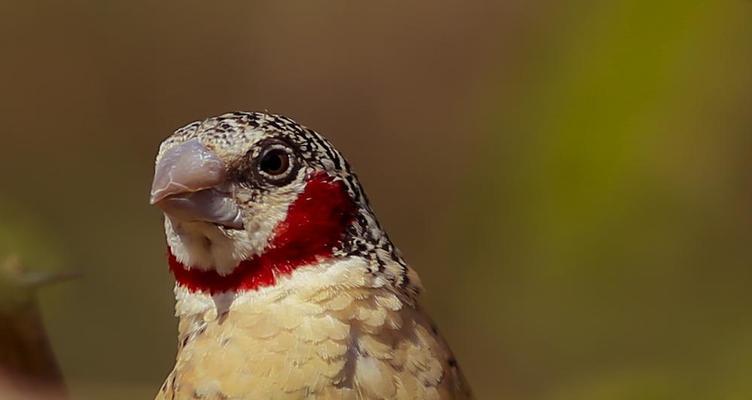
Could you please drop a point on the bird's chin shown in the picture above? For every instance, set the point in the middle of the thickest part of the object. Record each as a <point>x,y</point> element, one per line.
<point>206,245</point>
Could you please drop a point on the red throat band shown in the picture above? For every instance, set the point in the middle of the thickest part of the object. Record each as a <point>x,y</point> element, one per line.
<point>315,224</point>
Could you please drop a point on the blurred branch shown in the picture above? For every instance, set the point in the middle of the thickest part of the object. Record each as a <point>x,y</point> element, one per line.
<point>24,278</point>
<point>28,368</point>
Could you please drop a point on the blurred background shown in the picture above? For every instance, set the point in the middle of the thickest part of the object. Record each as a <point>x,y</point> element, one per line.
<point>570,179</point>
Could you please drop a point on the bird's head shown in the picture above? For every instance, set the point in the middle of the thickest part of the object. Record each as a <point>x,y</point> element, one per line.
<point>248,197</point>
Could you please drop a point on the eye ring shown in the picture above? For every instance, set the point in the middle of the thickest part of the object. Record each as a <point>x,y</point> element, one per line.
<point>276,162</point>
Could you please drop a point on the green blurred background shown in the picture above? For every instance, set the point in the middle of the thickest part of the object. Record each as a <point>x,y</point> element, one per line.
<point>571,179</point>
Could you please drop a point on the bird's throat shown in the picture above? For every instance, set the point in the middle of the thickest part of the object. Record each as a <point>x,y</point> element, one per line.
<point>315,224</point>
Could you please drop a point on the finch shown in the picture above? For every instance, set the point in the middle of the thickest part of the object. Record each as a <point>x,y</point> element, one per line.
<point>287,287</point>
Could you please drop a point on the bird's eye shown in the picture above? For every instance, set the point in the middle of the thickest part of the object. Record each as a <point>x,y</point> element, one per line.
<point>275,162</point>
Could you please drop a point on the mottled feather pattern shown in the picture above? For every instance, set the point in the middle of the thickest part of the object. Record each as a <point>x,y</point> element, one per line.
<point>317,335</point>
<point>345,327</point>
<point>231,133</point>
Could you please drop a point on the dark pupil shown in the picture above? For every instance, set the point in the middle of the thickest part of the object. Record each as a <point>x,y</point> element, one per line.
<point>274,162</point>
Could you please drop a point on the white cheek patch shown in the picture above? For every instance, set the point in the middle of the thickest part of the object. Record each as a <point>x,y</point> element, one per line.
<point>264,215</point>
<point>206,246</point>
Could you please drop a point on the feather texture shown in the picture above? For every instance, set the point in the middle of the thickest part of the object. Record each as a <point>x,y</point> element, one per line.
<point>339,337</point>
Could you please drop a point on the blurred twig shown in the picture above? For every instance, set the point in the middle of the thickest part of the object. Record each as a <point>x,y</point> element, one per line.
<point>16,272</point>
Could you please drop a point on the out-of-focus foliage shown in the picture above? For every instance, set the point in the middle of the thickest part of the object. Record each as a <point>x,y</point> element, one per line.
<point>616,227</point>
<point>24,235</point>
<point>571,179</point>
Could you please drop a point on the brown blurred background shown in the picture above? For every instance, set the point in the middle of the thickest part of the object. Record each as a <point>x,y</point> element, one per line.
<point>571,179</point>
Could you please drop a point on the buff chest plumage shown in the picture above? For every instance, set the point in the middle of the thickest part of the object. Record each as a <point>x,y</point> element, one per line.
<point>287,286</point>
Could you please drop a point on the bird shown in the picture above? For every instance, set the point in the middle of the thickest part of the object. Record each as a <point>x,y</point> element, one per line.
<point>286,284</point>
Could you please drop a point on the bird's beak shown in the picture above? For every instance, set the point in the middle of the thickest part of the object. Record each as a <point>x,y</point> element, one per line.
<point>190,185</point>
